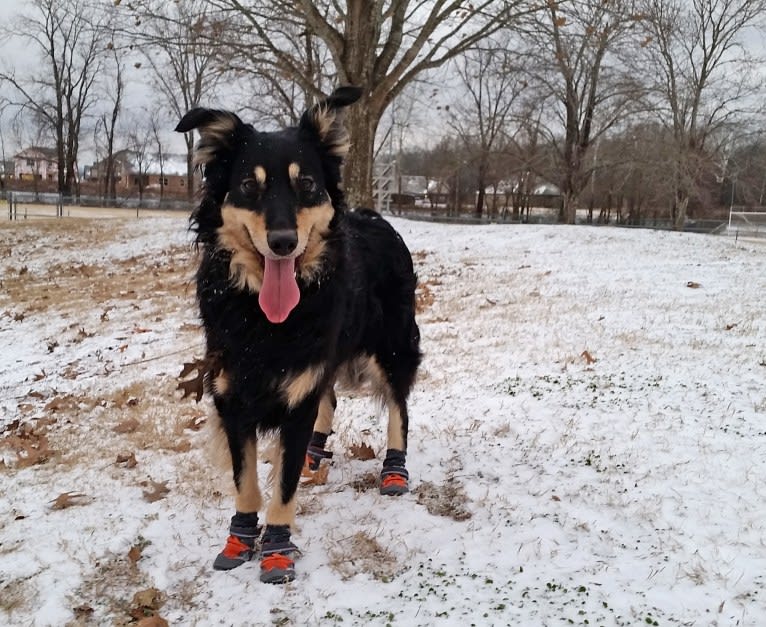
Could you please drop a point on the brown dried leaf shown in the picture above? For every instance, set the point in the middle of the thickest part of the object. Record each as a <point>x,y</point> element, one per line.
<point>183,446</point>
<point>208,366</point>
<point>128,460</point>
<point>135,553</point>
<point>127,426</point>
<point>361,451</point>
<point>315,477</point>
<point>83,611</point>
<point>156,490</point>
<point>589,359</point>
<point>144,607</point>
<point>152,621</point>
<point>69,499</point>
<point>195,423</point>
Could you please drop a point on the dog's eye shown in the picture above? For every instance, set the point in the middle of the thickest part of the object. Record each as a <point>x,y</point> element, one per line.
<point>306,184</point>
<point>249,186</point>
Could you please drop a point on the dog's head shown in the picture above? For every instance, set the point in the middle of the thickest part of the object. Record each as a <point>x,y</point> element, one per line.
<point>270,198</point>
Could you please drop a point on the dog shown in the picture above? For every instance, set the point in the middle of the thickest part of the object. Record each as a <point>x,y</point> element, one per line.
<point>294,291</point>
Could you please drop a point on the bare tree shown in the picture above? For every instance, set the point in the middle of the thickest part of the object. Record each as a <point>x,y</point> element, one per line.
<point>180,42</point>
<point>493,85</point>
<point>139,146</point>
<point>703,77</point>
<point>67,37</point>
<point>114,92</point>
<point>578,56</point>
<point>160,154</point>
<point>379,46</point>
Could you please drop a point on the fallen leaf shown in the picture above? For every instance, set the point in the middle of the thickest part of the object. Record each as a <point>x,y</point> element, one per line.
<point>135,553</point>
<point>145,604</point>
<point>183,446</point>
<point>128,460</point>
<point>156,490</point>
<point>361,451</point>
<point>315,477</point>
<point>152,621</point>
<point>127,426</point>
<point>589,359</point>
<point>82,611</point>
<point>69,499</point>
<point>208,366</point>
<point>195,423</point>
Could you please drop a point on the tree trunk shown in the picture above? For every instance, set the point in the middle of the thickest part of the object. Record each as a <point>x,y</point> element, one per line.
<point>362,122</point>
<point>568,211</point>
<point>680,205</point>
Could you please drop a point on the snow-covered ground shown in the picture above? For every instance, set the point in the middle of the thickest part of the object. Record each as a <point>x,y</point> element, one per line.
<point>588,439</point>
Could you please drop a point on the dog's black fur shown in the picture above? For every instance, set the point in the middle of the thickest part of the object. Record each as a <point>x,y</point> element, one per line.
<point>356,309</point>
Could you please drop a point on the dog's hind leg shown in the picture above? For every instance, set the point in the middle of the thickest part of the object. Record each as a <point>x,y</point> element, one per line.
<point>277,565</point>
<point>395,371</point>
<point>322,429</point>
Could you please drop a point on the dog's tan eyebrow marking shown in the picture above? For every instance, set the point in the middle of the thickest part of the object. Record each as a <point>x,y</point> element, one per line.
<point>294,170</point>
<point>260,174</point>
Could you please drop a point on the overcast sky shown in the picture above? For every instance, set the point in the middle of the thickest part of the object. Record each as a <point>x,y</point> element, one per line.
<point>15,52</point>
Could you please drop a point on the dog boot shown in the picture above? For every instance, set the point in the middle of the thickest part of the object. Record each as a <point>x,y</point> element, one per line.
<point>394,478</point>
<point>277,552</point>
<point>315,454</point>
<point>241,545</point>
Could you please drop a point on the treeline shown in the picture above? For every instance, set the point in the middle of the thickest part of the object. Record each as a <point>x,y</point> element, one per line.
<point>637,106</point>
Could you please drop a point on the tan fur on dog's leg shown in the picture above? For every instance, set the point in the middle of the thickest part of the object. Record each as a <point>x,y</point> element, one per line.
<point>279,513</point>
<point>248,498</point>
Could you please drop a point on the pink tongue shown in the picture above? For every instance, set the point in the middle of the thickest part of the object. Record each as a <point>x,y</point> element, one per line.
<point>279,291</point>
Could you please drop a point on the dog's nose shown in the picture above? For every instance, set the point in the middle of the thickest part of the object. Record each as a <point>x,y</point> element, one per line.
<point>282,242</point>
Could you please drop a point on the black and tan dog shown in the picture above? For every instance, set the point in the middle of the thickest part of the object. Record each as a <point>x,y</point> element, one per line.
<point>294,291</point>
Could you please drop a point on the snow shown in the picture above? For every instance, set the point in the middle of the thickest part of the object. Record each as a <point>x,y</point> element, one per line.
<point>593,398</point>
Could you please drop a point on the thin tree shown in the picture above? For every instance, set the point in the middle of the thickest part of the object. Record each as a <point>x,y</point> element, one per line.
<point>492,85</point>
<point>704,78</point>
<point>67,36</point>
<point>578,55</point>
<point>108,120</point>
<point>180,42</point>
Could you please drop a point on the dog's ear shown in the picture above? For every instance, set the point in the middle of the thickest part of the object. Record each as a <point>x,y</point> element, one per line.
<point>217,129</point>
<point>325,119</point>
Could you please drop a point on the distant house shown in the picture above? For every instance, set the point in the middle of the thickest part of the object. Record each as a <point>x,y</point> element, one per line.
<point>140,173</point>
<point>36,163</point>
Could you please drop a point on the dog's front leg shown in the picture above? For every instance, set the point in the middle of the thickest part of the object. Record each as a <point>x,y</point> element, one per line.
<point>244,530</point>
<point>277,565</point>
